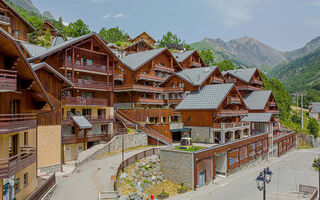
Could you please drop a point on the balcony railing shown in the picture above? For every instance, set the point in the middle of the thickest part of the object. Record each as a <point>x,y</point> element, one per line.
<point>70,139</point>
<point>217,80</point>
<point>234,100</point>
<point>272,104</point>
<point>178,125</point>
<point>196,64</point>
<point>150,77</point>
<point>231,80</point>
<point>174,89</point>
<point>162,68</point>
<point>81,101</point>
<point>174,101</point>
<point>150,101</point>
<point>94,85</point>
<point>8,80</point>
<point>91,119</point>
<point>138,88</point>
<point>94,67</point>
<point>12,165</point>
<point>273,111</point>
<point>119,77</point>
<point>232,113</point>
<point>248,87</point>
<point>257,82</point>
<point>10,123</point>
<point>221,126</point>
<point>4,19</point>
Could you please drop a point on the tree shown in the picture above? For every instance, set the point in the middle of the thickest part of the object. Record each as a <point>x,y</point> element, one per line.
<point>113,35</point>
<point>77,29</point>
<point>170,38</point>
<point>207,56</point>
<point>226,65</point>
<point>313,127</point>
<point>59,26</point>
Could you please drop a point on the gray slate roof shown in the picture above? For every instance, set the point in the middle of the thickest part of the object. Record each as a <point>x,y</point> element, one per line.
<point>57,41</point>
<point>242,74</point>
<point>134,61</point>
<point>196,76</point>
<point>183,55</point>
<point>210,97</point>
<point>257,117</point>
<point>32,49</point>
<point>257,100</point>
<point>81,122</point>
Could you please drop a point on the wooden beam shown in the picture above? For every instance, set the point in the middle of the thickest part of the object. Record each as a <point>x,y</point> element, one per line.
<point>15,61</point>
<point>27,85</point>
<point>91,51</point>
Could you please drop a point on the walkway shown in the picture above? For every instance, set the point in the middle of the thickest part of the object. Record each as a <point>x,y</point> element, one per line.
<point>88,180</point>
<point>289,171</point>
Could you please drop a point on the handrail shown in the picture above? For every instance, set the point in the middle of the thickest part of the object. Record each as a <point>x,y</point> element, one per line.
<point>4,18</point>
<point>94,67</point>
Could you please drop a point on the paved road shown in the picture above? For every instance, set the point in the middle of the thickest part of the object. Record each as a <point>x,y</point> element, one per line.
<point>89,179</point>
<point>290,170</point>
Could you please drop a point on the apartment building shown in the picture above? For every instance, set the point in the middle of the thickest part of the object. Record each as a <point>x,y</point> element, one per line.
<point>189,59</point>
<point>144,36</point>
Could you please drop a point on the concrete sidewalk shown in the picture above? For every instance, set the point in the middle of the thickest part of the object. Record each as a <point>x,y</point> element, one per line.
<point>90,179</point>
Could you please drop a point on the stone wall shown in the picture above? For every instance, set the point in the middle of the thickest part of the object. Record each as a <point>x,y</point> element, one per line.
<point>130,140</point>
<point>199,134</point>
<point>177,166</point>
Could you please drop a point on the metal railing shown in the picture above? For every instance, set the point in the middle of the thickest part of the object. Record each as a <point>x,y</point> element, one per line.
<point>8,80</point>
<point>41,191</point>
<point>17,122</point>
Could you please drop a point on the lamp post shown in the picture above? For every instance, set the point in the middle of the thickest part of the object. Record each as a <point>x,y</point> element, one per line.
<point>263,178</point>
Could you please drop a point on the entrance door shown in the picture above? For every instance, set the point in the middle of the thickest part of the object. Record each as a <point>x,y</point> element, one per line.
<point>13,145</point>
<point>202,178</point>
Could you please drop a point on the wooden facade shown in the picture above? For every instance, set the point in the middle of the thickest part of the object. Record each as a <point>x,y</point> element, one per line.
<point>144,36</point>
<point>192,61</point>
<point>47,25</point>
<point>14,23</point>
<point>138,46</point>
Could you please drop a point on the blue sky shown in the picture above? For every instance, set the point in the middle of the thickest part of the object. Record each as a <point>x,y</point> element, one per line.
<point>282,24</point>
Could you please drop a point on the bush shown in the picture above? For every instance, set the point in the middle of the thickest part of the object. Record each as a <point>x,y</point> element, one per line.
<point>296,119</point>
<point>313,127</point>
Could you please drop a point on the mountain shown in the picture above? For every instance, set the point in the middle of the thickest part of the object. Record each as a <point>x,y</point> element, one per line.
<point>26,4</point>
<point>48,15</point>
<point>309,47</point>
<point>300,74</point>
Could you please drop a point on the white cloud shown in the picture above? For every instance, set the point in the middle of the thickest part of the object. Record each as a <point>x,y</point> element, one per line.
<point>65,23</point>
<point>233,12</point>
<point>119,15</point>
<point>106,16</point>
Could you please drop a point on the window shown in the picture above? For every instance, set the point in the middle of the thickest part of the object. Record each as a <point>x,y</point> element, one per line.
<point>89,62</point>
<point>189,119</point>
<point>25,179</point>
<point>16,33</point>
<point>73,130</point>
<point>69,75</point>
<point>25,138</point>
<point>73,110</point>
<point>173,85</point>
<point>104,128</point>
<point>17,185</point>
<point>86,111</point>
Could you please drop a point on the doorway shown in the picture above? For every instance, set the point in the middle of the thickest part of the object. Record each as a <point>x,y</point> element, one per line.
<point>202,178</point>
<point>176,136</point>
<point>221,163</point>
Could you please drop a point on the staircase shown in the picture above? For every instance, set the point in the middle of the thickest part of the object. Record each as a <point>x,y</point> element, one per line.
<point>130,123</point>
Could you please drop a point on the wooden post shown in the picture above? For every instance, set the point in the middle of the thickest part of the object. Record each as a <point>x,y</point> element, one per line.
<point>73,65</point>
<point>171,63</point>
<point>76,137</point>
<point>85,139</point>
<point>65,63</point>
<point>91,44</point>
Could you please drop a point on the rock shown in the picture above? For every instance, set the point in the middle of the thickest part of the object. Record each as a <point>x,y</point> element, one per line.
<point>160,178</point>
<point>150,179</point>
<point>157,169</point>
<point>124,198</point>
<point>138,170</point>
<point>138,164</point>
<point>124,175</point>
<point>148,166</point>
<point>134,196</point>
<point>145,174</point>
<point>139,188</point>
<point>134,175</point>
<point>153,177</point>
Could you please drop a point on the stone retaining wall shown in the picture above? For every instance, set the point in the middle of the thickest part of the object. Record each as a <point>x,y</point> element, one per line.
<point>130,140</point>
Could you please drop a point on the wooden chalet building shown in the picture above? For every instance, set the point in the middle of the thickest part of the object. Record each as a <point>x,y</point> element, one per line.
<point>314,110</point>
<point>49,155</point>
<point>48,25</point>
<point>87,106</point>
<point>144,36</point>
<point>214,114</point>
<point>246,80</point>
<point>137,82</point>
<point>179,84</point>
<point>12,22</point>
<point>189,59</point>
<point>22,98</point>
<point>138,46</point>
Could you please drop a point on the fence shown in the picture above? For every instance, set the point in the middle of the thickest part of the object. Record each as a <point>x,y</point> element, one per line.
<point>134,159</point>
<point>43,189</point>
<point>306,189</point>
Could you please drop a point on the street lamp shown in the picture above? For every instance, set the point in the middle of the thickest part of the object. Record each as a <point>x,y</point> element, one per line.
<point>263,178</point>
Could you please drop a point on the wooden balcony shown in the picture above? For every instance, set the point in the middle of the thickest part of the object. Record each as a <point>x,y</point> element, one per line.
<point>137,88</point>
<point>70,139</point>
<point>234,100</point>
<point>174,89</point>
<point>4,20</point>
<point>232,113</point>
<point>275,112</point>
<point>196,64</point>
<point>92,119</point>
<point>217,80</point>
<point>231,80</point>
<point>12,165</point>
<point>10,123</point>
<point>248,87</point>
<point>81,101</point>
<point>233,125</point>
<point>119,77</point>
<point>162,68</point>
<point>94,67</point>
<point>150,77</point>
<point>272,104</point>
<point>8,80</point>
<point>257,82</point>
<point>150,101</point>
<point>92,85</point>
<point>174,101</point>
